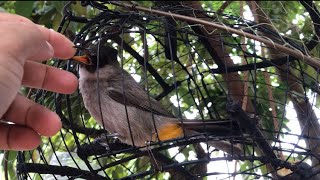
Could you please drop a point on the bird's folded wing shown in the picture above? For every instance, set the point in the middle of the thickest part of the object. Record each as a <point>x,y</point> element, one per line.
<point>139,100</point>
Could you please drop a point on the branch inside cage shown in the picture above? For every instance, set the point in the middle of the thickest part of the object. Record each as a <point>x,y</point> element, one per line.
<point>140,59</point>
<point>314,15</point>
<point>117,148</point>
<point>57,170</point>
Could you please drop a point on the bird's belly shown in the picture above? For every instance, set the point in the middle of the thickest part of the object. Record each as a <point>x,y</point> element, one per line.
<point>117,118</point>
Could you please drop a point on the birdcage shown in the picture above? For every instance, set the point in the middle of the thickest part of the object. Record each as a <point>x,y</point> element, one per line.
<point>256,86</point>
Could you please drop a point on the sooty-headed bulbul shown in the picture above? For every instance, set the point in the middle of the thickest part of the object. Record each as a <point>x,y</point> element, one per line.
<point>125,108</point>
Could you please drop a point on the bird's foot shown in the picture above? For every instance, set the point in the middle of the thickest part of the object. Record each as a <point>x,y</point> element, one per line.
<point>103,139</point>
<point>153,161</point>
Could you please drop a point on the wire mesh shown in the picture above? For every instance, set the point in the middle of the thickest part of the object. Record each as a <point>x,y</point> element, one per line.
<point>197,71</point>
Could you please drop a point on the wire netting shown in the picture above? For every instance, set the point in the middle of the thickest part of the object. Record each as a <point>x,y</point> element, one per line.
<point>200,64</point>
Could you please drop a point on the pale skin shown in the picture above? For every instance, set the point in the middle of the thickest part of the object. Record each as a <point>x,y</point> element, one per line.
<point>23,46</point>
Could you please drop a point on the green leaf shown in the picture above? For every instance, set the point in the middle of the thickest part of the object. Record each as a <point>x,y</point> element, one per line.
<point>24,8</point>
<point>56,21</point>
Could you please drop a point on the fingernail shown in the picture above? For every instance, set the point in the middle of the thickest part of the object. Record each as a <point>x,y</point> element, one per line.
<point>50,48</point>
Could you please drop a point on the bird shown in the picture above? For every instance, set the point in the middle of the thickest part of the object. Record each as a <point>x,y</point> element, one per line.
<point>123,107</point>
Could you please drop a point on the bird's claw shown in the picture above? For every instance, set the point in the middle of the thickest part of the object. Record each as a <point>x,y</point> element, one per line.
<point>103,140</point>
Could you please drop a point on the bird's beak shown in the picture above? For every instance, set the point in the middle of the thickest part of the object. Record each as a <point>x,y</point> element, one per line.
<point>83,59</point>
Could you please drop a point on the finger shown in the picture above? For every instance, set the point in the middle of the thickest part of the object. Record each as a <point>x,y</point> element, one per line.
<point>14,137</point>
<point>63,47</point>
<point>25,112</point>
<point>23,42</point>
<point>41,76</point>
<point>7,17</point>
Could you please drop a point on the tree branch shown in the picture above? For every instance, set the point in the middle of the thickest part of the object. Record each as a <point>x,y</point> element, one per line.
<point>57,170</point>
<point>298,54</point>
<point>140,59</point>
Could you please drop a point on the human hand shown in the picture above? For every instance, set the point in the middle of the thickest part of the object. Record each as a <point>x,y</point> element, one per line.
<point>23,44</point>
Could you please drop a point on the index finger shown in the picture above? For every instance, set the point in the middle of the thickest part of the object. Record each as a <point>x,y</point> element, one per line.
<point>63,47</point>
<point>7,17</point>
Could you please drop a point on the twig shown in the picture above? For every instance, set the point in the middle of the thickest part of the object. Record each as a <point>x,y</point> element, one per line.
<point>273,107</point>
<point>270,167</point>
<point>314,15</point>
<point>140,59</point>
<point>245,79</point>
<point>235,169</point>
<point>168,90</point>
<point>223,6</point>
<point>264,64</point>
<point>5,166</point>
<point>246,74</point>
<point>57,170</point>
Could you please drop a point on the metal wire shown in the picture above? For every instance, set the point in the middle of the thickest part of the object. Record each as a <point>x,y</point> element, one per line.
<point>181,63</point>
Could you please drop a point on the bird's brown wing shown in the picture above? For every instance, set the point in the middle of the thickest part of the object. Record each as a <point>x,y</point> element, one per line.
<point>133,95</point>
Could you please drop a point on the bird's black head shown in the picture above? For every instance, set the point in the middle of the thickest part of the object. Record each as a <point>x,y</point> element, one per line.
<point>90,60</point>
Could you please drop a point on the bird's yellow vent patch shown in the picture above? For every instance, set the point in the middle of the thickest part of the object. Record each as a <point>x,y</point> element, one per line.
<point>169,131</point>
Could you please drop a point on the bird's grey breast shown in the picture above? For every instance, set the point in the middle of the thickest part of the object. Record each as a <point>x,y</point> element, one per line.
<point>97,102</point>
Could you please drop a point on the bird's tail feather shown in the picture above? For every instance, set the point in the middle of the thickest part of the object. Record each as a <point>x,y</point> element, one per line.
<point>211,127</point>
<point>208,127</point>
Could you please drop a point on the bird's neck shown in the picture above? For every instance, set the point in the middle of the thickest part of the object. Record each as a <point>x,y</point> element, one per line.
<point>106,72</point>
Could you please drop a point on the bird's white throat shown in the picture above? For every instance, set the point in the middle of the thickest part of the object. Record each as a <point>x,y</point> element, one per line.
<point>102,73</point>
